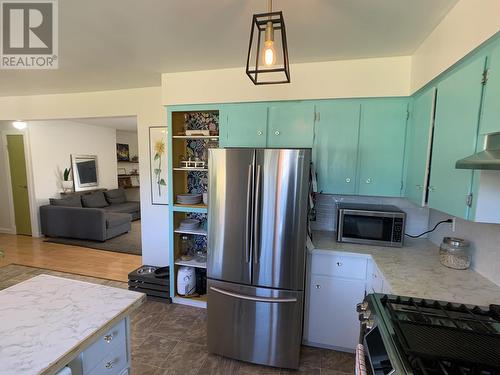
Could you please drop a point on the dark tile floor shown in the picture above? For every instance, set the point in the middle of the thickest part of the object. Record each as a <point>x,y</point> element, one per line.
<point>171,339</point>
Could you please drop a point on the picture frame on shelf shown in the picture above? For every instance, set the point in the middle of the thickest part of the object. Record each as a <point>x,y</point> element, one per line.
<point>122,152</point>
<point>158,164</point>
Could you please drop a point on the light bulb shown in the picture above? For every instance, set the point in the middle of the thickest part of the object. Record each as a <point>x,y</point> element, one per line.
<point>269,53</point>
<point>20,125</point>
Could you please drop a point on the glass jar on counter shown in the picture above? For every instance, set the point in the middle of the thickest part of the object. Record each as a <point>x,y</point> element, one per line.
<point>455,253</point>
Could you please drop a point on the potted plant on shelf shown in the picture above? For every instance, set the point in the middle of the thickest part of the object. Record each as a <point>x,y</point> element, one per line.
<point>67,184</point>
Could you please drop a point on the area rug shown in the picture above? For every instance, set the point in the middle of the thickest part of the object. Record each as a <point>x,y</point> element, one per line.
<point>129,243</point>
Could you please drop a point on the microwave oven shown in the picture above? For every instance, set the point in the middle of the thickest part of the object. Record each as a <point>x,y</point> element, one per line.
<point>370,224</point>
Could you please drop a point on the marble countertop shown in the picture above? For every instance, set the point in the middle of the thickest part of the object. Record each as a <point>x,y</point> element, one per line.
<point>46,320</point>
<point>414,270</point>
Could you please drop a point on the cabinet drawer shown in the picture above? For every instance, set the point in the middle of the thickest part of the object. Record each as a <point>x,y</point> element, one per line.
<point>114,363</point>
<point>351,267</point>
<point>113,341</point>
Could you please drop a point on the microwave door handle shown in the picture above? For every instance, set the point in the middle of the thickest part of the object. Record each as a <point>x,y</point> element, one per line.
<point>256,217</point>
<point>248,219</point>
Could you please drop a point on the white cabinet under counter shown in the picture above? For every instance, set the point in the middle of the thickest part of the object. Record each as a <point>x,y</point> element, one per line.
<point>49,323</point>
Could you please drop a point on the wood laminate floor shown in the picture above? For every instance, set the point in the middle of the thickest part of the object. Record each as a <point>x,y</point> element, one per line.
<point>170,339</point>
<point>34,252</point>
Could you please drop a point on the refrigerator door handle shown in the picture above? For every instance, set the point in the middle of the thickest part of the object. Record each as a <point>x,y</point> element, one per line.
<point>248,219</point>
<point>253,298</point>
<point>256,217</point>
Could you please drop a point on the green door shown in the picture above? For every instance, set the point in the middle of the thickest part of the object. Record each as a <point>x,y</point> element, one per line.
<point>490,121</point>
<point>455,134</point>
<point>335,150</point>
<point>418,146</point>
<point>245,125</point>
<point>19,181</point>
<point>291,124</point>
<point>381,146</point>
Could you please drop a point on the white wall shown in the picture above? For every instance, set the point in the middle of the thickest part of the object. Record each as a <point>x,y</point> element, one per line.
<point>334,79</point>
<point>52,143</point>
<point>485,240</point>
<point>130,138</point>
<point>468,24</point>
<point>145,103</point>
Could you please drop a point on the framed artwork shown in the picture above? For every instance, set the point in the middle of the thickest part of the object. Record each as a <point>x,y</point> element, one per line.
<point>122,152</point>
<point>158,164</point>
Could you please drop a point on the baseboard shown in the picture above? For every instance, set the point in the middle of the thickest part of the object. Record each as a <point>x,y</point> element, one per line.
<point>7,231</point>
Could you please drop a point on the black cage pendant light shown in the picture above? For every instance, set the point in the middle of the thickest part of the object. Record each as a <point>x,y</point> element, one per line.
<point>267,60</point>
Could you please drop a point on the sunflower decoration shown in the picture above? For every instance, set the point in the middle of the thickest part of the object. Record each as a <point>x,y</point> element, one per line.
<point>159,152</point>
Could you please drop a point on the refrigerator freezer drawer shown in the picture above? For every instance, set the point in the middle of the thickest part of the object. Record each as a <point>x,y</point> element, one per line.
<point>253,324</point>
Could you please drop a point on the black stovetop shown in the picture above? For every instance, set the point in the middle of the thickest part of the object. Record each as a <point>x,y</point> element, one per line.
<point>446,338</point>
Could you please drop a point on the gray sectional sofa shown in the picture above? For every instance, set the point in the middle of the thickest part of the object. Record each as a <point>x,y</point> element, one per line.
<point>97,216</point>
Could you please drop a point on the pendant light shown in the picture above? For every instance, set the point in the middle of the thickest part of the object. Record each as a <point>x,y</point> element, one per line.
<point>267,60</point>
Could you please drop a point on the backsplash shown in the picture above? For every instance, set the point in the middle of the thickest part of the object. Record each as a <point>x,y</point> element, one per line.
<point>484,238</point>
<point>417,218</point>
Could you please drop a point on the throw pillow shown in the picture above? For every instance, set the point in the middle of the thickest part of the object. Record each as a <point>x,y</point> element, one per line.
<point>94,200</point>
<point>71,201</point>
<point>115,196</point>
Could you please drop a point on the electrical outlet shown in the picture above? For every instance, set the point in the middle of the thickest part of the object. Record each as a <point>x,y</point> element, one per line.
<point>453,224</point>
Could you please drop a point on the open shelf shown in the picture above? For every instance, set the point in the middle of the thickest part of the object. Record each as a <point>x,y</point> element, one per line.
<point>191,169</point>
<point>198,232</point>
<point>199,208</point>
<point>195,137</point>
<point>200,301</point>
<point>191,263</point>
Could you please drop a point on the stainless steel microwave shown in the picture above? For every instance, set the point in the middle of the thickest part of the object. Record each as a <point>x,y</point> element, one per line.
<point>370,224</point>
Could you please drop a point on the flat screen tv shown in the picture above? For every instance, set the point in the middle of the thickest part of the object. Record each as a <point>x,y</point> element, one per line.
<point>85,174</point>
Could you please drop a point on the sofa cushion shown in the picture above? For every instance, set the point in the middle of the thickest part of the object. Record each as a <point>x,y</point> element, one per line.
<point>127,207</point>
<point>115,196</point>
<point>94,200</point>
<point>71,201</point>
<point>116,219</point>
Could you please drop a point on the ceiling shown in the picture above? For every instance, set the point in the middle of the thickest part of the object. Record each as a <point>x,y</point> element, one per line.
<point>117,44</point>
<point>128,124</point>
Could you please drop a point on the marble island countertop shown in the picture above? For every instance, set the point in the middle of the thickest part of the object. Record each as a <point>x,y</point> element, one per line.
<point>414,270</point>
<point>46,320</point>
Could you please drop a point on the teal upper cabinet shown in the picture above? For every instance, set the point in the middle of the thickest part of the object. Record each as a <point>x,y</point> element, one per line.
<point>418,145</point>
<point>245,125</point>
<point>490,121</point>
<point>455,134</point>
<point>335,150</point>
<point>291,124</point>
<point>381,146</point>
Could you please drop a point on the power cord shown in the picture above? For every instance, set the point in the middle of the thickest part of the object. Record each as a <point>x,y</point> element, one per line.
<point>432,230</point>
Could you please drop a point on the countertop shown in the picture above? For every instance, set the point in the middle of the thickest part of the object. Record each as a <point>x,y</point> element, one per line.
<point>414,270</point>
<point>46,320</point>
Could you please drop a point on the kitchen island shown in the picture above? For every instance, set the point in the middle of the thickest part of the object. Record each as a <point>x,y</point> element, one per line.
<point>48,323</point>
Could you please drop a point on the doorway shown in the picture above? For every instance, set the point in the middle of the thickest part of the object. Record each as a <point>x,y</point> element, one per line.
<point>19,183</point>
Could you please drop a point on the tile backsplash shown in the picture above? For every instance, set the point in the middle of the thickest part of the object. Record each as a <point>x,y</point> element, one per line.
<point>417,218</point>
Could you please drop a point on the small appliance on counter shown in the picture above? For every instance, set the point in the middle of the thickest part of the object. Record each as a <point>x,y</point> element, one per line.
<point>370,224</point>
<point>413,336</point>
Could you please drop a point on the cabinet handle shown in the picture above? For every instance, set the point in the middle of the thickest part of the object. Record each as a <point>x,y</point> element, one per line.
<point>431,188</point>
<point>419,187</point>
<point>368,180</point>
<point>318,286</point>
<point>339,264</point>
<point>277,132</point>
<point>348,180</point>
<point>108,338</point>
<point>109,365</point>
<point>259,132</point>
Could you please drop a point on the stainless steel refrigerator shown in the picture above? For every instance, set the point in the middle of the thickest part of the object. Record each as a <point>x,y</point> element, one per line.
<point>258,200</point>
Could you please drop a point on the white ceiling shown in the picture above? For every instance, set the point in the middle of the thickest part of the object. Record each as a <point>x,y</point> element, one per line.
<point>128,124</point>
<point>116,44</point>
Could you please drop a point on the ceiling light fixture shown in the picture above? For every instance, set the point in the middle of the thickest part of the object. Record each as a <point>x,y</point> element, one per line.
<point>20,125</point>
<point>271,63</point>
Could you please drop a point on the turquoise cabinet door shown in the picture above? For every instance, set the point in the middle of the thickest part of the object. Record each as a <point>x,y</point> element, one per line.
<point>418,146</point>
<point>245,125</point>
<point>381,146</point>
<point>455,134</point>
<point>490,121</point>
<point>335,150</point>
<point>291,124</point>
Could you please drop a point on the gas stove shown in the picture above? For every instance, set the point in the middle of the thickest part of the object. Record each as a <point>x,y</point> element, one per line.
<point>403,335</point>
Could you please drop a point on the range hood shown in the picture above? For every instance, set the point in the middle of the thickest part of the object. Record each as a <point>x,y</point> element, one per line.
<point>488,159</point>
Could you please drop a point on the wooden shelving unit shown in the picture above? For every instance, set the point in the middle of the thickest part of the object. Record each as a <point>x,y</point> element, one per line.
<point>181,146</point>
